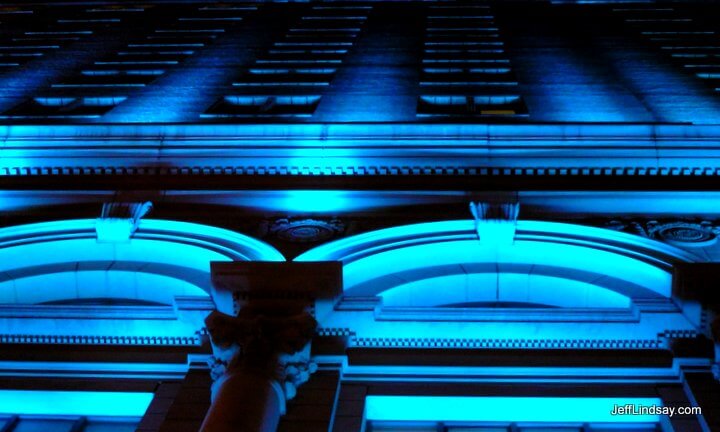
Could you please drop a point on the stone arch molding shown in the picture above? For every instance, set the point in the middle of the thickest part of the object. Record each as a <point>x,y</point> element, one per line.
<point>63,260</point>
<point>381,261</point>
<point>599,283</point>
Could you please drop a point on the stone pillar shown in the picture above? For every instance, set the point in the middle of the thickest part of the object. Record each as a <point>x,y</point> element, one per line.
<point>715,331</point>
<point>262,349</point>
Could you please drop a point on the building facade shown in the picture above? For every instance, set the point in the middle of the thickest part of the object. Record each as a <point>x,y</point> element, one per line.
<point>347,216</point>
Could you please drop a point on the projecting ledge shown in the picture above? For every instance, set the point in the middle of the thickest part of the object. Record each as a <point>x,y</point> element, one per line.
<point>359,149</point>
<point>340,131</point>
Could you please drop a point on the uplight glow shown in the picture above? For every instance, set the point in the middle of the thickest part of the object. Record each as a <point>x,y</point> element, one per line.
<point>74,403</point>
<point>504,409</point>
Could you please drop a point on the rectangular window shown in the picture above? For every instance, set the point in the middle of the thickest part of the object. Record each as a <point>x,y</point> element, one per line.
<point>286,80</point>
<point>63,107</point>
<point>268,105</point>
<point>479,105</point>
<point>464,72</point>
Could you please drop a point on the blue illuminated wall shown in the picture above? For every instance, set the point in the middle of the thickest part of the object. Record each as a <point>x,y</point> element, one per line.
<point>506,409</point>
<point>74,403</point>
<point>613,73</point>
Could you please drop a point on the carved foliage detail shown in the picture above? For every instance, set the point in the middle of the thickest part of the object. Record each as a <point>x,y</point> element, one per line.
<point>276,346</point>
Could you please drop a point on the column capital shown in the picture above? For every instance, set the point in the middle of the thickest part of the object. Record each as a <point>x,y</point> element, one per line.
<point>257,342</point>
<point>261,334</point>
<point>269,355</point>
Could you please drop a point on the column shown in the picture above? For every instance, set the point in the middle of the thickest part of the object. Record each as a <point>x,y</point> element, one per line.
<point>261,335</point>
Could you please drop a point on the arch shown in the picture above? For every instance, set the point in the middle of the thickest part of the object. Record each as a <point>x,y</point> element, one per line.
<point>59,260</point>
<point>602,266</point>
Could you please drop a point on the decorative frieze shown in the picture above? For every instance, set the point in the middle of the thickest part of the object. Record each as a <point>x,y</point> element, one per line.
<point>578,147</point>
<point>100,340</point>
<point>390,342</point>
<point>363,171</point>
<point>331,331</point>
<point>507,343</point>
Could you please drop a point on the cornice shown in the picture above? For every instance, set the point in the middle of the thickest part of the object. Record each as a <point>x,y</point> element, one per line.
<point>361,150</point>
<point>394,131</point>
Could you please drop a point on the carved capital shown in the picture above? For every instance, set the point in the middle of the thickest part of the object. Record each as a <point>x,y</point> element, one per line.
<point>261,344</point>
<point>294,370</point>
<point>277,347</point>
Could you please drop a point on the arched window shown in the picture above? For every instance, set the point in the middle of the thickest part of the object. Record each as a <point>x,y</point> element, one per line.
<point>552,280</point>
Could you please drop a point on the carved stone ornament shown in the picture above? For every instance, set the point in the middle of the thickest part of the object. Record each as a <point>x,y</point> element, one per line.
<point>683,233</point>
<point>677,233</point>
<point>119,220</point>
<point>295,370</point>
<point>495,222</point>
<point>306,230</point>
<point>274,346</point>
